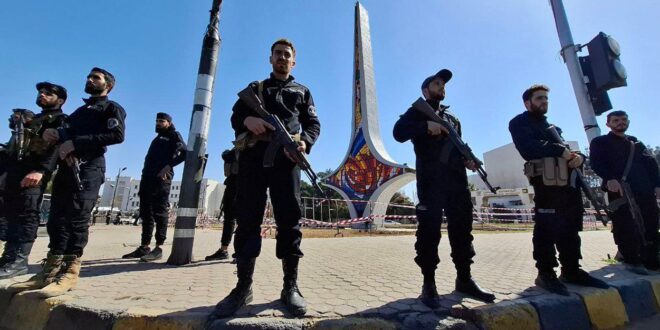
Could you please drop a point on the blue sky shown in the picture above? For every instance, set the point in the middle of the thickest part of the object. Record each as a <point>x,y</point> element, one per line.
<point>495,48</point>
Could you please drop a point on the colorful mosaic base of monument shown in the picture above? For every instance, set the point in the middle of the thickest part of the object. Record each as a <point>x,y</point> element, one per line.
<point>362,173</point>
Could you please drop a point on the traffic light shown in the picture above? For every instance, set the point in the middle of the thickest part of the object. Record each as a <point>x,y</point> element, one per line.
<point>604,71</point>
<point>607,70</point>
<point>599,99</point>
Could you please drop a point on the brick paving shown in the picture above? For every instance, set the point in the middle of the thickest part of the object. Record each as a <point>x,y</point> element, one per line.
<point>364,276</point>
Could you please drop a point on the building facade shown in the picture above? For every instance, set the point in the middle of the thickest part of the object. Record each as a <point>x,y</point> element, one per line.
<point>127,200</point>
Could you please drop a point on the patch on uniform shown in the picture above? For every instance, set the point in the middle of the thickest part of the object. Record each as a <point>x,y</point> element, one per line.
<point>112,123</point>
<point>546,211</point>
<point>312,111</point>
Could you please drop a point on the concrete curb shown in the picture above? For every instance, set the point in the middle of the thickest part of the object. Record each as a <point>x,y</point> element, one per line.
<point>605,308</point>
<point>638,297</point>
<point>560,312</point>
<point>627,300</point>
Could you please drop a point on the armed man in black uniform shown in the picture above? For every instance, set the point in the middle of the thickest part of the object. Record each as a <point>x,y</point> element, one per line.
<point>167,150</point>
<point>83,143</point>
<point>558,205</point>
<point>442,186</point>
<point>228,206</point>
<point>29,167</point>
<point>609,158</point>
<point>293,104</point>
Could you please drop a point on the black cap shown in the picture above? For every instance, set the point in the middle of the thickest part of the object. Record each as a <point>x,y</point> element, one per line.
<point>106,73</point>
<point>162,115</point>
<point>56,89</point>
<point>443,74</point>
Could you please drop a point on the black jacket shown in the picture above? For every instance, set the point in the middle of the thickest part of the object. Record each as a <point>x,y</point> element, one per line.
<point>609,154</point>
<point>93,126</point>
<point>435,154</point>
<point>290,101</point>
<point>167,148</point>
<point>531,137</point>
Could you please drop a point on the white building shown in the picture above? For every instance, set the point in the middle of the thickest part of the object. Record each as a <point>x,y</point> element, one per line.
<point>505,170</point>
<point>127,199</point>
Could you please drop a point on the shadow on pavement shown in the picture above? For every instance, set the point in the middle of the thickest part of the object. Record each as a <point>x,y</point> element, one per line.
<point>104,267</point>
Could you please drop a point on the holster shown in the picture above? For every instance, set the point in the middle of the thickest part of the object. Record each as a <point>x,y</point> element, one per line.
<point>553,170</point>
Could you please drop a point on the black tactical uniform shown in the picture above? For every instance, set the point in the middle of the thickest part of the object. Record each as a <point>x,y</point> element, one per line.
<point>92,127</point>
<point>22,204</point>
<point>293,104</point>
<point>558,209</point>
<point>609,154</point>
<point>167,148</point>
<point>228,206</point>
<point>3,179</point>
<point>442,186</point>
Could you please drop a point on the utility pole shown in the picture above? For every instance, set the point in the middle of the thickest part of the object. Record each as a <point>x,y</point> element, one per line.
<point>193,170</point>
<point>569,52</point>
<point>114,194</point>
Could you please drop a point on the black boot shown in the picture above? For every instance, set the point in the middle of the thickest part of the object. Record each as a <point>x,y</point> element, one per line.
<point>140,252</point>
<point>291,296</point>
<point>429,296</point>
<point>548,280</point>
<point>8,254</point>
<point>241,295</point>
<point>155,254</point>
<point>469,287</point>
<point>19,265</point>
<point>218,255</point>
<point>580,277</point>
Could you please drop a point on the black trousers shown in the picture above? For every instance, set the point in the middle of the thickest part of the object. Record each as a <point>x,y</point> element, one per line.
<point>154,204</point>
<point>557,220</point>
<point>229,210</point>
<point>283,183</point>
<point>3,220</point>
<point>627,234</point>
<point>71,209</point>
<point>22,206</point>
<point>444,193</point>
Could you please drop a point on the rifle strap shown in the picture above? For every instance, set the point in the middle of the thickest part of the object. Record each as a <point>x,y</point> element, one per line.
<point>631,155</point>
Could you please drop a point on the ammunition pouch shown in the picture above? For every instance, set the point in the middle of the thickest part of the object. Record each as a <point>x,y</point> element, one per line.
<point>553,170</point>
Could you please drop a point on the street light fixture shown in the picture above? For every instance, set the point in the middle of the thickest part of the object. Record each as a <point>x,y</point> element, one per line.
<point>114,193</point>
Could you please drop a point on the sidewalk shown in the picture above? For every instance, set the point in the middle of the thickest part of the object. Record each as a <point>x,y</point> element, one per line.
<point>365,277</point>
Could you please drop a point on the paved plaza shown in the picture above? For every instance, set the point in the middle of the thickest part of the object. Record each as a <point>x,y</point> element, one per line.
<point>339,277</point>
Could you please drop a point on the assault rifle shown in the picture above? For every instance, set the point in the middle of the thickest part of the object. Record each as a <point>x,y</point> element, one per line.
<point>20,116</point>
<point>423,107</point>
<point>634,210</point>
<point>280,137</point>
<point>581,182</point>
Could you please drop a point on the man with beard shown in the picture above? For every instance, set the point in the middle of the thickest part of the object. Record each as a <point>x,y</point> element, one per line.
<point>167,150</point>
<point>442,187</point>
<point>609,158</point>
<point>27,176</point>
<point>293,104</point>
<point>558,205</point>
<point>83,142</point>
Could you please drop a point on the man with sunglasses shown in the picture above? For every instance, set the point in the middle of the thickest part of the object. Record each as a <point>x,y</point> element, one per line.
<point>82,143</point>
<point>167,150</point>
<point>28,170</point>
